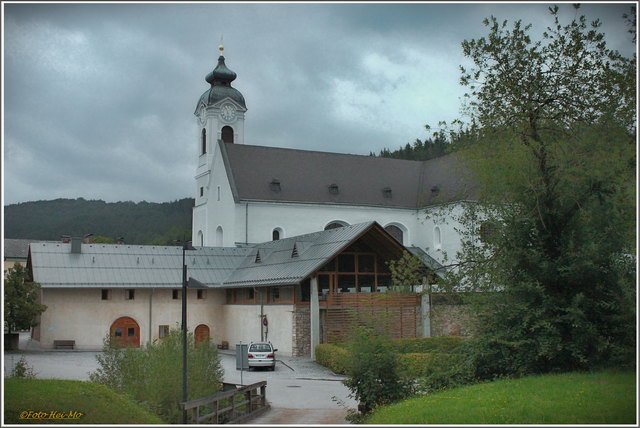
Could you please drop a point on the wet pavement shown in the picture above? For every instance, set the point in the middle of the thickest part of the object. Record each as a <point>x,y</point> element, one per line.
<point>299,391</point>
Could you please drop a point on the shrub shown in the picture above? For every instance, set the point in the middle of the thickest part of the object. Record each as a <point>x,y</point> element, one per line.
<point>449,344</point>
<point>22,369</point>
<point>152,376</point>
<point>434,370</point>
<point>333,357</point>
<point>374,377</point>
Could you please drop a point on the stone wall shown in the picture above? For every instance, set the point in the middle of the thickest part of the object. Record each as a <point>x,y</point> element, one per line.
<point>450,320</point>
<point>449,316</point>
<point>301,331</point>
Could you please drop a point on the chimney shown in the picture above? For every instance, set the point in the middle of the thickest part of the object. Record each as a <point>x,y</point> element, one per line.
<point>76,245</point>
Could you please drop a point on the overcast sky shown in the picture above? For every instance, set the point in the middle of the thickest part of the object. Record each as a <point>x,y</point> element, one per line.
<point>99,98</point>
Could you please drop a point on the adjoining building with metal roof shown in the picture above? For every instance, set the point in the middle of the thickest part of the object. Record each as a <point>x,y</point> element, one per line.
<point>295,291</point>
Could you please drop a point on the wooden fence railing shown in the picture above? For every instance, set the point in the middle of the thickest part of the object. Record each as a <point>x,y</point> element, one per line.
<point>229,407</point>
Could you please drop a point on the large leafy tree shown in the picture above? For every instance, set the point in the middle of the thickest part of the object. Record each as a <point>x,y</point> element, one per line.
<point>553,231</point>
<point>21,307</point>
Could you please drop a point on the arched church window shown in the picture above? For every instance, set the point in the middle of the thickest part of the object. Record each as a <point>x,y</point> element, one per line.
<point>201,238</point>
<point>276,234</point>
<point>335,225</point>
<point>219,236</point>
<point>437,238</point>
<point>204,141</point>
<point>227,134</point>
<point>396,232</point>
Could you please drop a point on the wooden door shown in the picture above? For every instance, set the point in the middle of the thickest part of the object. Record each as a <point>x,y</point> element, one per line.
<point>126,332</point>
<point>201,334</point>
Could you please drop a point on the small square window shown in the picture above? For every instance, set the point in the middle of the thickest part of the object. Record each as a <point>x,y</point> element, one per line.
<point>201,294</point>
<point>175,294</point>
<point>131,294</point>
<point>118,332</point>
<point>131,331</point>
<point>105,294</point>
<point>163,331</point>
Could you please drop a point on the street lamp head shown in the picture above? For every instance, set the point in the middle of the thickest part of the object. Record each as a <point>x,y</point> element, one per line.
<point>186,245</point>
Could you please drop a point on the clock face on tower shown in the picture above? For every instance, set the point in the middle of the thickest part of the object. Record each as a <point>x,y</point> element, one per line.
<point>228,112</point>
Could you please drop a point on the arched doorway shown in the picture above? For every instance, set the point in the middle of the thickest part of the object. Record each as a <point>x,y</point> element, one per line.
<point>126,332</point>
<point>202,334</point>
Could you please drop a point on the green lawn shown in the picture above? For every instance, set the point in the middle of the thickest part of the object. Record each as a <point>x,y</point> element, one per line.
<point>77,402</point>
<point>575,398</point>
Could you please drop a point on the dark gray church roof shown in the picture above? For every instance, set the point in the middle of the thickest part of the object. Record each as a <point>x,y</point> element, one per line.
<point>260,173</point>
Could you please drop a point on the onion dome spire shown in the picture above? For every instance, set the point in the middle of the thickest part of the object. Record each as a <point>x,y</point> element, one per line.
<point>221,74</point>
<point>220,80</point>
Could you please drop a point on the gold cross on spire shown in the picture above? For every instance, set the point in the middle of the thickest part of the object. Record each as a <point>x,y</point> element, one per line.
<point>221,47</point>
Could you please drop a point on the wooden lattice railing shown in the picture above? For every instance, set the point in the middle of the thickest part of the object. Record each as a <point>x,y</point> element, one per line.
<point>229,407</point>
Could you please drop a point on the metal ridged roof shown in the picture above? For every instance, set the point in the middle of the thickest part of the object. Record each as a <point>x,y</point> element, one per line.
<point>277,266</point>
<point>146,266</point>
<point>102,265</point>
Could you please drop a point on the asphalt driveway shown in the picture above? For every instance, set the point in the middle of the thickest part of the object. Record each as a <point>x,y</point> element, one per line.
<point>299,390</point>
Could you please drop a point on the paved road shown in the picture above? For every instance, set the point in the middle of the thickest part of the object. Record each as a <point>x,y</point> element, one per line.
<point>299,390</point>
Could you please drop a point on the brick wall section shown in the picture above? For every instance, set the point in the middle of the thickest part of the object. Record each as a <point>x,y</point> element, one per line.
<point>301,331</point>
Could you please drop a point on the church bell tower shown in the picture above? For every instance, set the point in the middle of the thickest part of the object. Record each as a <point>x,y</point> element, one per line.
<point>219,117</point>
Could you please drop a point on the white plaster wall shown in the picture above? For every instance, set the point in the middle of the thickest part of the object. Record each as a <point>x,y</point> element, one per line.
<point>213,212</point>
<point>298,219</point>
<point>82,315</point>
<point>243,324</point>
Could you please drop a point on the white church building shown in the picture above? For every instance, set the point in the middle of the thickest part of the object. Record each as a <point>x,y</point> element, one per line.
<point>290,245</point>
<point>249,194</point>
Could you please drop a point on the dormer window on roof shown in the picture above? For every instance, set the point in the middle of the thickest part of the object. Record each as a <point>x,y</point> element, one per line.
<point>333,189</point>
<point>294,252</point>
<point>258,258</point>
<point>275,185</point>
<point>386,192</point>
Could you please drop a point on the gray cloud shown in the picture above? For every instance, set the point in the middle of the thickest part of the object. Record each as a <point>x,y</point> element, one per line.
<point>99,98</point>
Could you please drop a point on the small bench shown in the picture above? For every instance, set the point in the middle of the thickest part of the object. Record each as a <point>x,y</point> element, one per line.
<point>64,344</point>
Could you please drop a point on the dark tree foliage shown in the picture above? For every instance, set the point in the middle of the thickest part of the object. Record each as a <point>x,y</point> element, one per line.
<point>420,150</point>
<point>138,223</point>
<point>554,123</point>
<point>21,296</point>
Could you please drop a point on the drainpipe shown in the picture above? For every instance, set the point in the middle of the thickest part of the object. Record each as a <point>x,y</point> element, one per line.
<point>255,290</point>
<point>246,223</point>
<point>150,317</point>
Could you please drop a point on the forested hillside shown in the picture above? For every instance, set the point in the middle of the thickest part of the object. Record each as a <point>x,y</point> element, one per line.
<point>419,151</point>
<point>138,223</point>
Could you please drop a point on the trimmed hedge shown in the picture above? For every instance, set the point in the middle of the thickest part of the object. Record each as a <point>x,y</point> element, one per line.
<point>433,362</point>
<point>435,370</point>
<point>333,357</point>
<point>421,345</point>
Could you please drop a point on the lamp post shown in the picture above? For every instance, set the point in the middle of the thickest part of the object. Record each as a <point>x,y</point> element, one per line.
<point>186,245</point>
